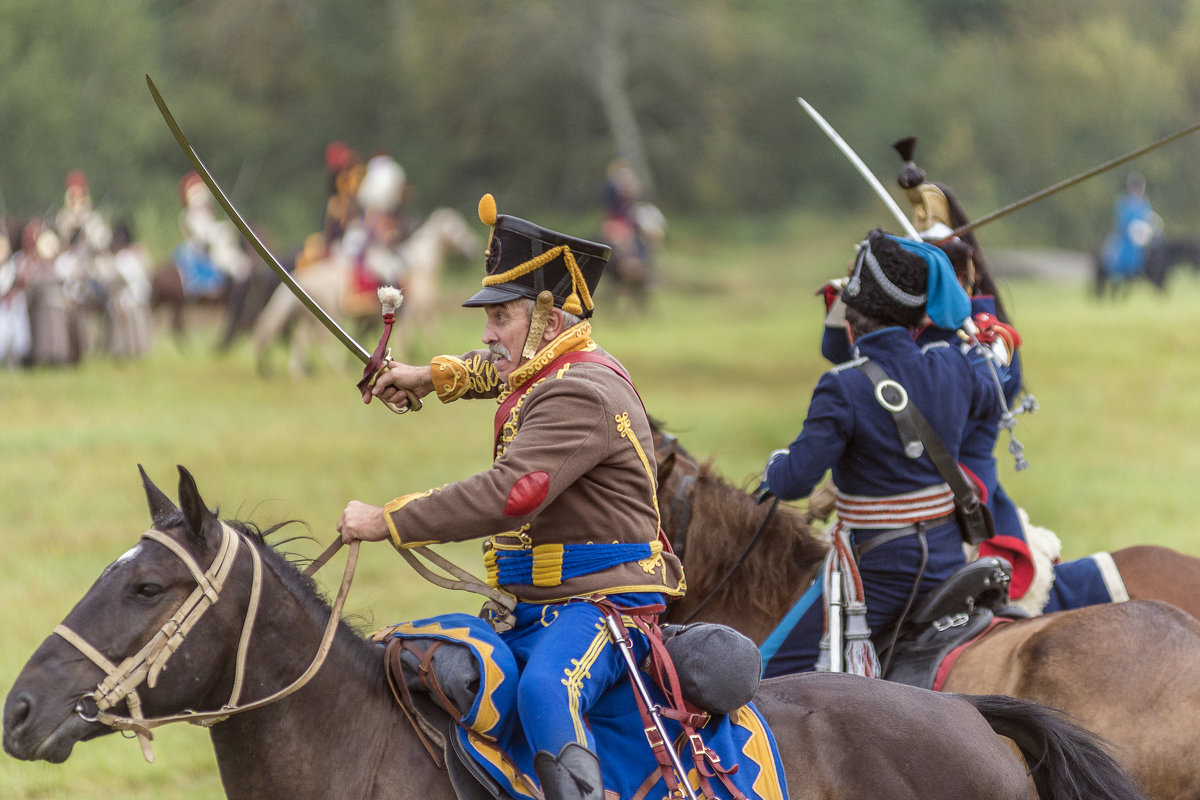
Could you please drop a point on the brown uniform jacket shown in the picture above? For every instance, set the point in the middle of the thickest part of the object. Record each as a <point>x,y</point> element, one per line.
<point>574,465</point>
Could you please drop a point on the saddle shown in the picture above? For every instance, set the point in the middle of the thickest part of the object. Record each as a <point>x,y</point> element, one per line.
<point>455,680</point>
<point>957,611</point>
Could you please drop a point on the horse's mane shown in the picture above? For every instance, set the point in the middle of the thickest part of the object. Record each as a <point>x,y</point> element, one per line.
<point>724,520</point>
<point>288,568</point>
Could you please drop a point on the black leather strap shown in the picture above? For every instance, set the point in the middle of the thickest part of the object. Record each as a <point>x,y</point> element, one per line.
<point>893,534</point>
<point>915,430</point>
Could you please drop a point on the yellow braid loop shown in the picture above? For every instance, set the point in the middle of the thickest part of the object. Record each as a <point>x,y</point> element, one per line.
<point>579,299</point>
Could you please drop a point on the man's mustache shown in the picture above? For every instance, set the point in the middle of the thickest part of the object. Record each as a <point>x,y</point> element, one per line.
<point>498,349</point>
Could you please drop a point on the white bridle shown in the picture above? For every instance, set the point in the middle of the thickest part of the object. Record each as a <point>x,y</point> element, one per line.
<point>123,679</point>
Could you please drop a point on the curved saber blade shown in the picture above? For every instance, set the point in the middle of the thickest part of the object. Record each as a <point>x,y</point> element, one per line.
<point>904,221</point>
<point>354,347</point>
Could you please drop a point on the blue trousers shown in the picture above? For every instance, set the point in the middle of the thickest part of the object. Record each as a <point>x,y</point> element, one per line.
<point>888,574</point>
<point>567,661</point>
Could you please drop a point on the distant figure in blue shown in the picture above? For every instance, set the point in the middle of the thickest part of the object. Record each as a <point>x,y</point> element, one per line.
<point>1135,227</point>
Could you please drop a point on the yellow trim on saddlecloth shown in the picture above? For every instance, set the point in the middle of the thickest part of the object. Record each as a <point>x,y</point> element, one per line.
<point>496,757</point>
<point>488,716</point>
<point>767,786</point>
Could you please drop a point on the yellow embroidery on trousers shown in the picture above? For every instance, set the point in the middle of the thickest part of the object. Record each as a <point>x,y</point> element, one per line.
<point>578,674</point>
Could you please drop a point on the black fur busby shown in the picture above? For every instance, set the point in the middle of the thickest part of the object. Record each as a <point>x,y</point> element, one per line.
<point>911,176</point>
<point>524,259</point>
<point>939,203</point>
<point>888,282</point>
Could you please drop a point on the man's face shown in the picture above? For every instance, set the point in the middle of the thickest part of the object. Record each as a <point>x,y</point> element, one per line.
<point>505,333</point>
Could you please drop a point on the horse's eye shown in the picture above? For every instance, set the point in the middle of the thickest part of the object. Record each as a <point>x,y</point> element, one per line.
<point>147,591</point>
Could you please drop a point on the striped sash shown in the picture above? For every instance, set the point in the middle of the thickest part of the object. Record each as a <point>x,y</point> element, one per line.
<point>895,511</point>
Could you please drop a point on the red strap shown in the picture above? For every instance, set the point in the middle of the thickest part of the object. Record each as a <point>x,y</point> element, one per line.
<point>566,358</point>
<point>662,670</point>
<point>943,670</point>
<point>376,360</point>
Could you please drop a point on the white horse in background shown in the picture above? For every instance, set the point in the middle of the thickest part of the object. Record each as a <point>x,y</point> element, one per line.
<point>414,266</point>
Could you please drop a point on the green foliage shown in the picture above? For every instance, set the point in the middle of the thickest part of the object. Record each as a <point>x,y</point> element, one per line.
<point>510,97</point>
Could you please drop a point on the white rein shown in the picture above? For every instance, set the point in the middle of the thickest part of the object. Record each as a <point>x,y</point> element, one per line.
<point>123,680</point>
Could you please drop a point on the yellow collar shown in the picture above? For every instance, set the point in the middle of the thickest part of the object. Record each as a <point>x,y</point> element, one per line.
<point>578,337</point>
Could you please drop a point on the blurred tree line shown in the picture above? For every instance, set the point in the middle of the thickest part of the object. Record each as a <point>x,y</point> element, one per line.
<point>530,100</point>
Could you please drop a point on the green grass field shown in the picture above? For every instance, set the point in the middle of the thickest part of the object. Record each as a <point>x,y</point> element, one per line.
<point>726,358</point>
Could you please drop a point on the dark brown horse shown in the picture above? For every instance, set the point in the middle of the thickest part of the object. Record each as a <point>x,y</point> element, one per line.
<point>342,735</point>
<point>167,295</point>
<point>1089,662</point>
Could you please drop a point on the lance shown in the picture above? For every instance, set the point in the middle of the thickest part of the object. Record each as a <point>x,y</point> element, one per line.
<point>271,261</point>
<point>833,135</point>
<point>1069,182</point>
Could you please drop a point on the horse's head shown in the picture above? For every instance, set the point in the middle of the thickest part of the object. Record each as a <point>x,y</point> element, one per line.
<point>713,526</point>
<point>677,473</point>
<point>139,643</point>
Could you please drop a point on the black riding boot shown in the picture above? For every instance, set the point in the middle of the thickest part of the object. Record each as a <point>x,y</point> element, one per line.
<point>573,775</point>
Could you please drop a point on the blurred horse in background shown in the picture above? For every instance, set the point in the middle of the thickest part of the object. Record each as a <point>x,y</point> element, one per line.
<point>633,265</point>
<point>169,295</point>
<point>1163,256</point>
<point>414,265</point>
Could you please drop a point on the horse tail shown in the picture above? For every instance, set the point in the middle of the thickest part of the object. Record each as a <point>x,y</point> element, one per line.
<point>271,323</point>
<point>1066,761</point>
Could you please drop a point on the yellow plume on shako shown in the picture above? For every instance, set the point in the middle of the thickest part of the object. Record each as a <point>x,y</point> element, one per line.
<point>523,260</point>
<point>487,209</point>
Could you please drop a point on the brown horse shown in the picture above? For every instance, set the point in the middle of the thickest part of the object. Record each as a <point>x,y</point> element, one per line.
<point>342,735</point>
<point>1088,662</point>
<point>167,294</point>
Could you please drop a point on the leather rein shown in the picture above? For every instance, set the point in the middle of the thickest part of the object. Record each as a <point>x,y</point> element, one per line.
<point>123,680</point>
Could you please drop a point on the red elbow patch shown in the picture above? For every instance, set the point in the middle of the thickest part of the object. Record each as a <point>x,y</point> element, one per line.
<point>527,494</point>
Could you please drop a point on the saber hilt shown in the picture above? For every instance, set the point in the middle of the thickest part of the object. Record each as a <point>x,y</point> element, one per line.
<point>390,299</point>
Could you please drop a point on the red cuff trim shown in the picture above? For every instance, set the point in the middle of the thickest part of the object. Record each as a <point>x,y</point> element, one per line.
<point>1016,552</point>
<point>527,494</point>
<point>980,488</point>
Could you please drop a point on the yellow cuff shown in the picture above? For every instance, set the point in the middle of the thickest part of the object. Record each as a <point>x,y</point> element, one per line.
<point>453,377</point>
<point>449,377</point>
<point>396,505</point>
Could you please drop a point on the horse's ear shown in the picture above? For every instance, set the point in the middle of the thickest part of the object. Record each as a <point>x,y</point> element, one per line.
<point>161,506</point>
<point>665,465</point>
<point>196,514</point>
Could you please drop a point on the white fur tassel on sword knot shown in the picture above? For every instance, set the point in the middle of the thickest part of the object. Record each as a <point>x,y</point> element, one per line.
<point>390,300</point>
